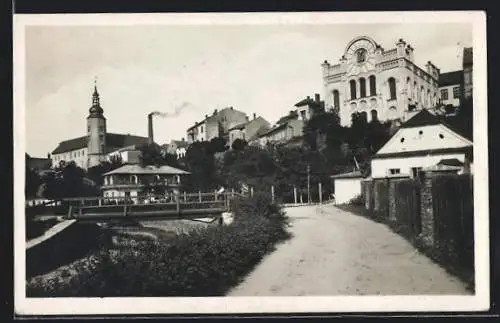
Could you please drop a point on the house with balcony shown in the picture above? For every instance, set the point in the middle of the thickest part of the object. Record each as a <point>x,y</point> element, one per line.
<point>131,180</point>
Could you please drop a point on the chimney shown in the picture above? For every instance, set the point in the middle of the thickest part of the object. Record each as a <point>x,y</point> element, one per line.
<point>150,129</point>
<point>215,112</point>
<point>182,139</point>
<point>316,97</point>
<point>254,116</point>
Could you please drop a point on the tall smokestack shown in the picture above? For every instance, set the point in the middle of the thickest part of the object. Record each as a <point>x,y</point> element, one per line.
<point>150,129</point>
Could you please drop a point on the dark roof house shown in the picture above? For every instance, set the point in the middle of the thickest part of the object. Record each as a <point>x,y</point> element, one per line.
<point>450,78</point>
<point>38,163</point>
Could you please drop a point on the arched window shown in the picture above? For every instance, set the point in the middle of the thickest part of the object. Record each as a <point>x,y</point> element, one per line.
<point>422,95</point>
<point>392,88</point>
<point>373,85</point>
<point>408,87</point>
<point>362,87</point>
<point>415,89</point>
<point>353,89</point>
<point>336,99</point>
<point>393,113</point>
<point>374,115</point>
<point>428,98</point>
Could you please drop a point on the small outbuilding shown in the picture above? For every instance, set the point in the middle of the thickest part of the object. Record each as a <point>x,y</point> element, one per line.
<point>346,186</point>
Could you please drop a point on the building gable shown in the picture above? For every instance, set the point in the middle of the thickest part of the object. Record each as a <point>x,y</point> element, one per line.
<point>423,138</point>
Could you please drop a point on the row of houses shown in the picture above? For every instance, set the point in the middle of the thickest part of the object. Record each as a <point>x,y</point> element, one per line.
<point>231,124</point>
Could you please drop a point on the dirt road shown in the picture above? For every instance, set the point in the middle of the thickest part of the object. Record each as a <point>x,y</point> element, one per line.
<point>334,252</point>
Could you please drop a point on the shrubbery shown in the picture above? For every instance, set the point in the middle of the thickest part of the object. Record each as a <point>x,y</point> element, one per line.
<point>357,200</point>
<point>205,262</point>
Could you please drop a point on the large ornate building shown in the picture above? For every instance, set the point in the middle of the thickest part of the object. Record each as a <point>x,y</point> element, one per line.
<point>379,83</point>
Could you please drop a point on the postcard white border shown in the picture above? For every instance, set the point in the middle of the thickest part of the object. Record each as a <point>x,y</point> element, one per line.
<point>225,305</point>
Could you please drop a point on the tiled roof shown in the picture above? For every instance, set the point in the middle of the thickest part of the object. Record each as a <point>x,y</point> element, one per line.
<point>450,78</point>
<point>274,129</point>
<point>423,118</point>
<point>451,162</point>
<point>137,169</point>
<point>306,101</point>
<point>292,115</point>
<point>239,126</point>
<point>112,140</point>
<point>467,59</point>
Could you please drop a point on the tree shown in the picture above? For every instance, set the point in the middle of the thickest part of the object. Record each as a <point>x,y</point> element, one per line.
<point>323,129</point>
<point>96,173</point>
<point>217,145</point>
<point>151,155</point>
<point>239,144</point>
<point>200,162</point>
<point>32,182</point>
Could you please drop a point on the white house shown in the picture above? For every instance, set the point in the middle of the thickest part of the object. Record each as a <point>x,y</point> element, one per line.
<point>346,186</point>
<point>130,180</point>
<point>422,142</point>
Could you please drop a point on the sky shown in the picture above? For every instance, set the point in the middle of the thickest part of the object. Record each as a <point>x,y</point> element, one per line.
<point>262,69</point>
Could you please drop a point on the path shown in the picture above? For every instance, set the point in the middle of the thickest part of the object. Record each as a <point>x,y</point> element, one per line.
<point>334,252</point>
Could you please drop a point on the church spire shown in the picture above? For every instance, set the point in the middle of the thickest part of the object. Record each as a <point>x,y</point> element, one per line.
<point>96,104</point>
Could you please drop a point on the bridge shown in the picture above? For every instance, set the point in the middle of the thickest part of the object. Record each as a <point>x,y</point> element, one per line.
<point>187,206</point>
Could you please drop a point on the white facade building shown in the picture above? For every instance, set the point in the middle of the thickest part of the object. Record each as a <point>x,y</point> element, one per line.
<point>450,88</point>
<point>346,186</point>
<point>379,83</point>
<point>421,142</point>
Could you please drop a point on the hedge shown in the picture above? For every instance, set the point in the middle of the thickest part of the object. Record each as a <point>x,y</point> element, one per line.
<point>206,262</point>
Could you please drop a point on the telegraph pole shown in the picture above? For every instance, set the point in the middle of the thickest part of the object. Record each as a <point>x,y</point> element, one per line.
<point>308,184</point>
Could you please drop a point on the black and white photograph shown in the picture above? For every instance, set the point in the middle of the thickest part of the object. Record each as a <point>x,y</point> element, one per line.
<point>250,163</point>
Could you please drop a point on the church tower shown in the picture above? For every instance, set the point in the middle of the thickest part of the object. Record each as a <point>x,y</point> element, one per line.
<point>96,132</point>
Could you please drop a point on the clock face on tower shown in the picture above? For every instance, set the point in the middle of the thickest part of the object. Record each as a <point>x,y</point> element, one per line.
<point>360,58</point>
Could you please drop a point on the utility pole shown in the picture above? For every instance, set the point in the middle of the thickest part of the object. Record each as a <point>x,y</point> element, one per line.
<point>308,184</point>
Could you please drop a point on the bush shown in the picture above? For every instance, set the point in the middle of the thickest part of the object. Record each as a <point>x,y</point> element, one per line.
<point>200,263</point>
<point>357,200</point>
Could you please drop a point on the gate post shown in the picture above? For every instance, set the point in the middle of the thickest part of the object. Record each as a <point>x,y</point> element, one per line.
<point>320,193</point>
<point>427,211</point>
<point>295,194</point>
<point>272,193</point>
